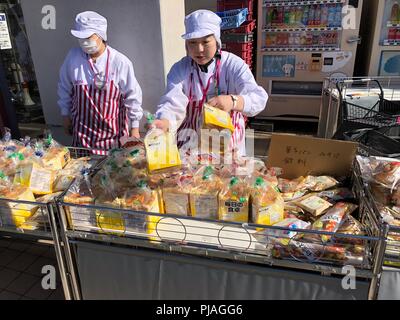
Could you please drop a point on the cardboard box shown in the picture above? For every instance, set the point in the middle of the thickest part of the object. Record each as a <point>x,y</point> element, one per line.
<point>301,156</point>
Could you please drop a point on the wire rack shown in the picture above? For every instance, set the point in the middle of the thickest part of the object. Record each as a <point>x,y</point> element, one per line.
<point>350,103</point>
<point>319,251</point>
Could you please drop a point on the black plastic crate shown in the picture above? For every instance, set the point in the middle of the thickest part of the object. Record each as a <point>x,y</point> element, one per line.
<point>374,143</point>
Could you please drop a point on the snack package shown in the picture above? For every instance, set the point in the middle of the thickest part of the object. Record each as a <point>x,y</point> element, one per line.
<point>313,204</point>
<point>335,195</point>
<point>387,174</point>
<point>234,201</point>
<point>204,194</point>
<point>320,183</point>
<point>317,252</point>
<point>175,192</point>
<point>267,203</point>
<point>214,118</point>
<point>216,132</point>
<point>290,224</point>
<point>291,186</point>
<point>381,193</point>
<point>291,196</point>
<point>13,213</point>
<point>351,226</point>
<point>161,149</point>
<point>332,220</point>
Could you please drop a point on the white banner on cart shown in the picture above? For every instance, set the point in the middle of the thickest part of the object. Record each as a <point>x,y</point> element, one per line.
<point>5,41</point>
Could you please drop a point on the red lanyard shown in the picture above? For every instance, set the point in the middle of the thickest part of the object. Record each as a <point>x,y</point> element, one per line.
<point>94,69</point>
<point>215,76</point>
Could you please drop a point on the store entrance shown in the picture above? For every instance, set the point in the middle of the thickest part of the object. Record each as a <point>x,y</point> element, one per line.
<point>20,93</point>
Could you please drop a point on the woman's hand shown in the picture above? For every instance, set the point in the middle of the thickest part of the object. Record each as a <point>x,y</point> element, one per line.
<point>162,124</point>
<point>225,102</point>
<point>135,133</point>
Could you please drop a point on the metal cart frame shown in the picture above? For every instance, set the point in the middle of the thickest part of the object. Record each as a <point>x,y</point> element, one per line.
<point>51,232</point>
<point>335,92</point>
<point>186,241</point>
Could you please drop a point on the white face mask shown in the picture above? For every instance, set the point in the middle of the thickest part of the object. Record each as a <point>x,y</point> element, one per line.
<point>88,46</point>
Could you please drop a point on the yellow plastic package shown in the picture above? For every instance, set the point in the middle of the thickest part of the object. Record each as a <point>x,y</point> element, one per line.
<point>267,203</point>
<point>12,213</point>
<point>204,194</point>
<point>214,118</point>
<point>161,149</point>
<point>234,201</point>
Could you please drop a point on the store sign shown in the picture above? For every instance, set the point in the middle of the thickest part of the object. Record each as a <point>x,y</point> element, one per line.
<point>5,41</point>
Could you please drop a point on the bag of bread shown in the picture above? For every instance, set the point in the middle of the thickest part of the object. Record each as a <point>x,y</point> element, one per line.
<point>234,201</point>
<point>55,156</point>
<point>141,199</point>
<point>161,149</point>
<point>204,194</point>
<point>80,194</point>
<point>351,226</point>
<point>266,203</point>
<point>175,192</point>
<point>14,213</point>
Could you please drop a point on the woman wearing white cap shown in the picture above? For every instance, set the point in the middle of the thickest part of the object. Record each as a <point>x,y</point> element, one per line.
<point>207,74</point>
<point>98,92</point>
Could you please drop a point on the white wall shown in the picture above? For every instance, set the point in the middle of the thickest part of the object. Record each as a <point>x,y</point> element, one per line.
<point>134,28</point>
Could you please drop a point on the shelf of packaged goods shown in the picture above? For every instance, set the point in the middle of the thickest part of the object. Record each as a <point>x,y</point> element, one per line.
<point>391,43</point>
<point>291,29</point>
<point>393,25</point>
<point>300,49</point>
<point>300,3</point>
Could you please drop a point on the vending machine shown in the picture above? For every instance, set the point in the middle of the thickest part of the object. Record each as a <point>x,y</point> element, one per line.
<point>300,43</point>
<point>382,38</point>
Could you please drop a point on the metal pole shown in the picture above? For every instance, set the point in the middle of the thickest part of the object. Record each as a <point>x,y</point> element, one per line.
<point>59,255</point>
<point>378,265</point>
<point>72,274</point>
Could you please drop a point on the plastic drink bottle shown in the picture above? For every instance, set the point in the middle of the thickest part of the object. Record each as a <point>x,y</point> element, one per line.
<point>331,15</point>
<point>317,16</point>
<point>324,16</point>
<point>299,15</point>
<point>338,16</point>
<point>292,16</point>
<point>304,19</point>
<point>311,16</point>
<point>394,16</point>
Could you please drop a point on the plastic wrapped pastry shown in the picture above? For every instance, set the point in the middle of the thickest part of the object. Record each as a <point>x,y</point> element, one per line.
<point>267,203</point>
<point>176,191</point>
<point>204,194</point>
<point>234,201</point>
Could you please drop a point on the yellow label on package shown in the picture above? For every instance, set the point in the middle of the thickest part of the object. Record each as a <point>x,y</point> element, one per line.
<point>23,174</point>
<point>56,158</point>
<point>16,214</point>
<point>233,211</point>
<point>267,215</point>
<point>42,180</point>
<point>214,117</point>
<point>161,151</point>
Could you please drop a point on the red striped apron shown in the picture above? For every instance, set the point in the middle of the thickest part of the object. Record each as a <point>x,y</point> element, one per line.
<point>99,117</point>
<point>194,111</point>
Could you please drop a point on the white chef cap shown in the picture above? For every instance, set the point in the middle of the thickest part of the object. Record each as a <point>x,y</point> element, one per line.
<point>88,23</point>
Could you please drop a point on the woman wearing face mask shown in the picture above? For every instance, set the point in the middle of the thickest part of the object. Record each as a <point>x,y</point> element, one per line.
<point>210,75</point>
<point>99,96</point>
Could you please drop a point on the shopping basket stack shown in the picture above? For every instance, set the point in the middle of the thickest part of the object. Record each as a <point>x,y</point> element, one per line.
<point>237,27</point>
<point>375,126</point>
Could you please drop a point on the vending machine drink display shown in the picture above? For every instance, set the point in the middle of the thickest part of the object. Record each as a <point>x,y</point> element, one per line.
<point>382,38</point>
<point>300,43</point>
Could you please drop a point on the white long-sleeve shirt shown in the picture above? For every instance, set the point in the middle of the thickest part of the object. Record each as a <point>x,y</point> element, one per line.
<point>76,70</point>
<point>235,78</point>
